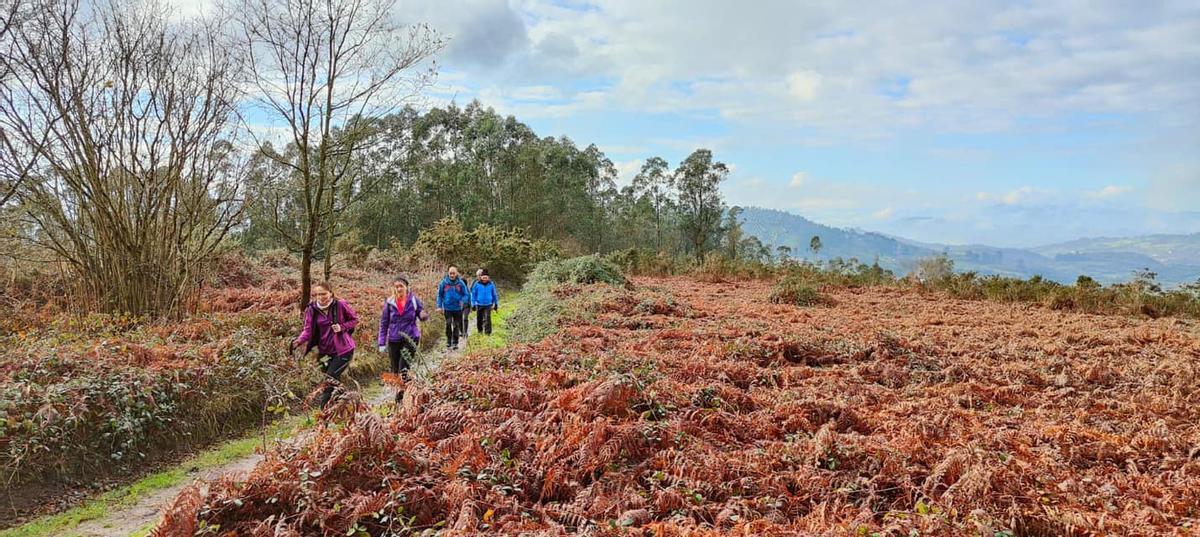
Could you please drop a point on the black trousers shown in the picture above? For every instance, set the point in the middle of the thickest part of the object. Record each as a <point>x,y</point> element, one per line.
<point>483,320</point>
<point>333,367</point>
<point>466,321</point>
<point>402,353</point>
<point>454,325</point>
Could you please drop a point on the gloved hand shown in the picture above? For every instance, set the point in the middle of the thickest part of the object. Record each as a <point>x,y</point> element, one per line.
<point>382,349</point>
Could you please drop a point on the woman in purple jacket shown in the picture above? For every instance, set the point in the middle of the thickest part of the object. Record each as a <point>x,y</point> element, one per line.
<point>329,326</point>
<point>399,332</point>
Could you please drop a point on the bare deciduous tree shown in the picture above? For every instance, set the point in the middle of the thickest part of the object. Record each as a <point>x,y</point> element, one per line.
<point>318,68</point>
<point>124,123</point>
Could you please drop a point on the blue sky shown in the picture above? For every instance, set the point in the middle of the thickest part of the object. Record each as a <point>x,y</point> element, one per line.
<point>1006,123</point>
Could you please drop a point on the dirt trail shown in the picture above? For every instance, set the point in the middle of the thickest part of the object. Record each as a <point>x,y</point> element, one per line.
<point>144,514</point>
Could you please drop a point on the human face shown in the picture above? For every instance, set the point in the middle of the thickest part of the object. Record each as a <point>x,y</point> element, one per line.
<point>321,294</point>
<point>453,272</point>
<point>485,278</point>
<point>400,289</point>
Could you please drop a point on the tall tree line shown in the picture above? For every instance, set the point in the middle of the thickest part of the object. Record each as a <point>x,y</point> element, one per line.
<point>480,167</point>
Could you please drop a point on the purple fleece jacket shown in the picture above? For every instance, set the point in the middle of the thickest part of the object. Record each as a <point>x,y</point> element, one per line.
<point>393,325</point>
<point>322,335</point>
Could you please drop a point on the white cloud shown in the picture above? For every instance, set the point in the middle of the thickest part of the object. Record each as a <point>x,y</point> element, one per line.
<point>803,85</point>
<point>1175,187</point>
<point>1012,197</point>
<point>1110,191</point>
<point>626,170</point>
<point>535,93</point>
<point>883,214</point>
<point>798,179</point>
<point>863,73</point>
<point>1017,196</point>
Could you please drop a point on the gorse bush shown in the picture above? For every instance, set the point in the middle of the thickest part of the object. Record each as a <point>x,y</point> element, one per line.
<point>794,289</point>
<point>1141,296</point>
<point>717,267</point>
<point>67,415</point>
<point>933,270</point>
<point>642,262</point>
<point>508,254</point>
<point>841,273</point>
<point>541,306</point>
<point>577,270</point>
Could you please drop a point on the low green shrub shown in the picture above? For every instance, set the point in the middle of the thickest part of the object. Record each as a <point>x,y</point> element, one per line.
<point>542,305</point>
<point>581,270</point>
<point>794,289</point>
<point>642,262</point>
<point>1142,296</point>
<point>717,267</point>
<point>508,254</point>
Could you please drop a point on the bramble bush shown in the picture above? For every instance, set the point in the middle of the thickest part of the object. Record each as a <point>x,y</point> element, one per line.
<point>70,408</point>
<point>86,395</point>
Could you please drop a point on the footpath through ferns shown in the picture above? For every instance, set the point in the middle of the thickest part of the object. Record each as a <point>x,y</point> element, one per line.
<point>87,403</point>
<point>677,407</point>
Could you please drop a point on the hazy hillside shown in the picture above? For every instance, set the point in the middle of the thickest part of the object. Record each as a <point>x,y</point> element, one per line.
<point>780,228</point>
<point>1173,257</point>
<point>1167,249</point>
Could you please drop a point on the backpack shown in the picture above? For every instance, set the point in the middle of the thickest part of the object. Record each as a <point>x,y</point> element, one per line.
<point>333,313</point>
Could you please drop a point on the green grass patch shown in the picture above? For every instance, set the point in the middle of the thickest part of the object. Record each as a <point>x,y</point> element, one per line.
<point>499,336</point>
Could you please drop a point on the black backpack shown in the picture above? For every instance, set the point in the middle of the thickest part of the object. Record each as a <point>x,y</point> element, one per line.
<point>333,312</point>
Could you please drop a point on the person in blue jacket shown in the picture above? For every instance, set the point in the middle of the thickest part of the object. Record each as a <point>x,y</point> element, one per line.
<point>453,297</point>
<point>484,300</point>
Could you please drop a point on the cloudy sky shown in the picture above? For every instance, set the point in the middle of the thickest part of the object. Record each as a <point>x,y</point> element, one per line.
<point>1008,123</point>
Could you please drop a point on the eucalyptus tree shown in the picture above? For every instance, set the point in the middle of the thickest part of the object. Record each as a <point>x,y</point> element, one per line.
<point>698,179</point>
<point>655,182</point>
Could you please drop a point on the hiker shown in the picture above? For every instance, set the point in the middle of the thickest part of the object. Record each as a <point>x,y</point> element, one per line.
<point>329,326</point>
<point>484,300</point>
<point>466,318</point>
<point>452,297</point>
<point>399,331</point>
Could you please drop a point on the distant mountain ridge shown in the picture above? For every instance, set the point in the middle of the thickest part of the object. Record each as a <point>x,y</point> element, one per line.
<point>1176,258</point>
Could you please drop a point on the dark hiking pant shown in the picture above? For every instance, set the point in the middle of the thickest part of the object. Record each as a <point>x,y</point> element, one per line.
<point>454,324</point>
<point>333,367</point>
<point>483,320</point>
<point>402,354</point>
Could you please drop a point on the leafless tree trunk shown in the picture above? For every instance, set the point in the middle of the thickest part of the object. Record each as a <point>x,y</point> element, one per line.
<point>124,123</point>
<point>315,66</point>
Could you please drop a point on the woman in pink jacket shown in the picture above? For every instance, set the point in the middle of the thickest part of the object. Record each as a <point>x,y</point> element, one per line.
<point>329,326</point>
